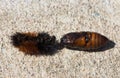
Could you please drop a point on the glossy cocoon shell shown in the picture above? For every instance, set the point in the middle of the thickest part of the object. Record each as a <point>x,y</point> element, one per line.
<point>84,40</point>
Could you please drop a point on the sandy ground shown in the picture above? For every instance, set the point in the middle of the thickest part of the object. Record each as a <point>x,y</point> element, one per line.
<point>59,17</point>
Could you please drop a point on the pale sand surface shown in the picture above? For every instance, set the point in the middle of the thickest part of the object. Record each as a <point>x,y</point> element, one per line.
<point>58,17</point>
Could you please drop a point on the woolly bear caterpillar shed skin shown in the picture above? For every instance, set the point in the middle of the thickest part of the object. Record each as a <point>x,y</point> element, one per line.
<point>34,43</point>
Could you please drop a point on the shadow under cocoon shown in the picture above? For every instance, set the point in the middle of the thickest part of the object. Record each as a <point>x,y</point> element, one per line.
<point>110,44</point>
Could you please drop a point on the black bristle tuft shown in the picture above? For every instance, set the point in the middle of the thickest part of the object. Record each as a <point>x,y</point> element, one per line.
<point>46,43</point>
<point>17,38</point>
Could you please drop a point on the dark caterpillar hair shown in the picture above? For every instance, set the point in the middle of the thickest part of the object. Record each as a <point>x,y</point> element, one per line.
<point>35,44</point>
